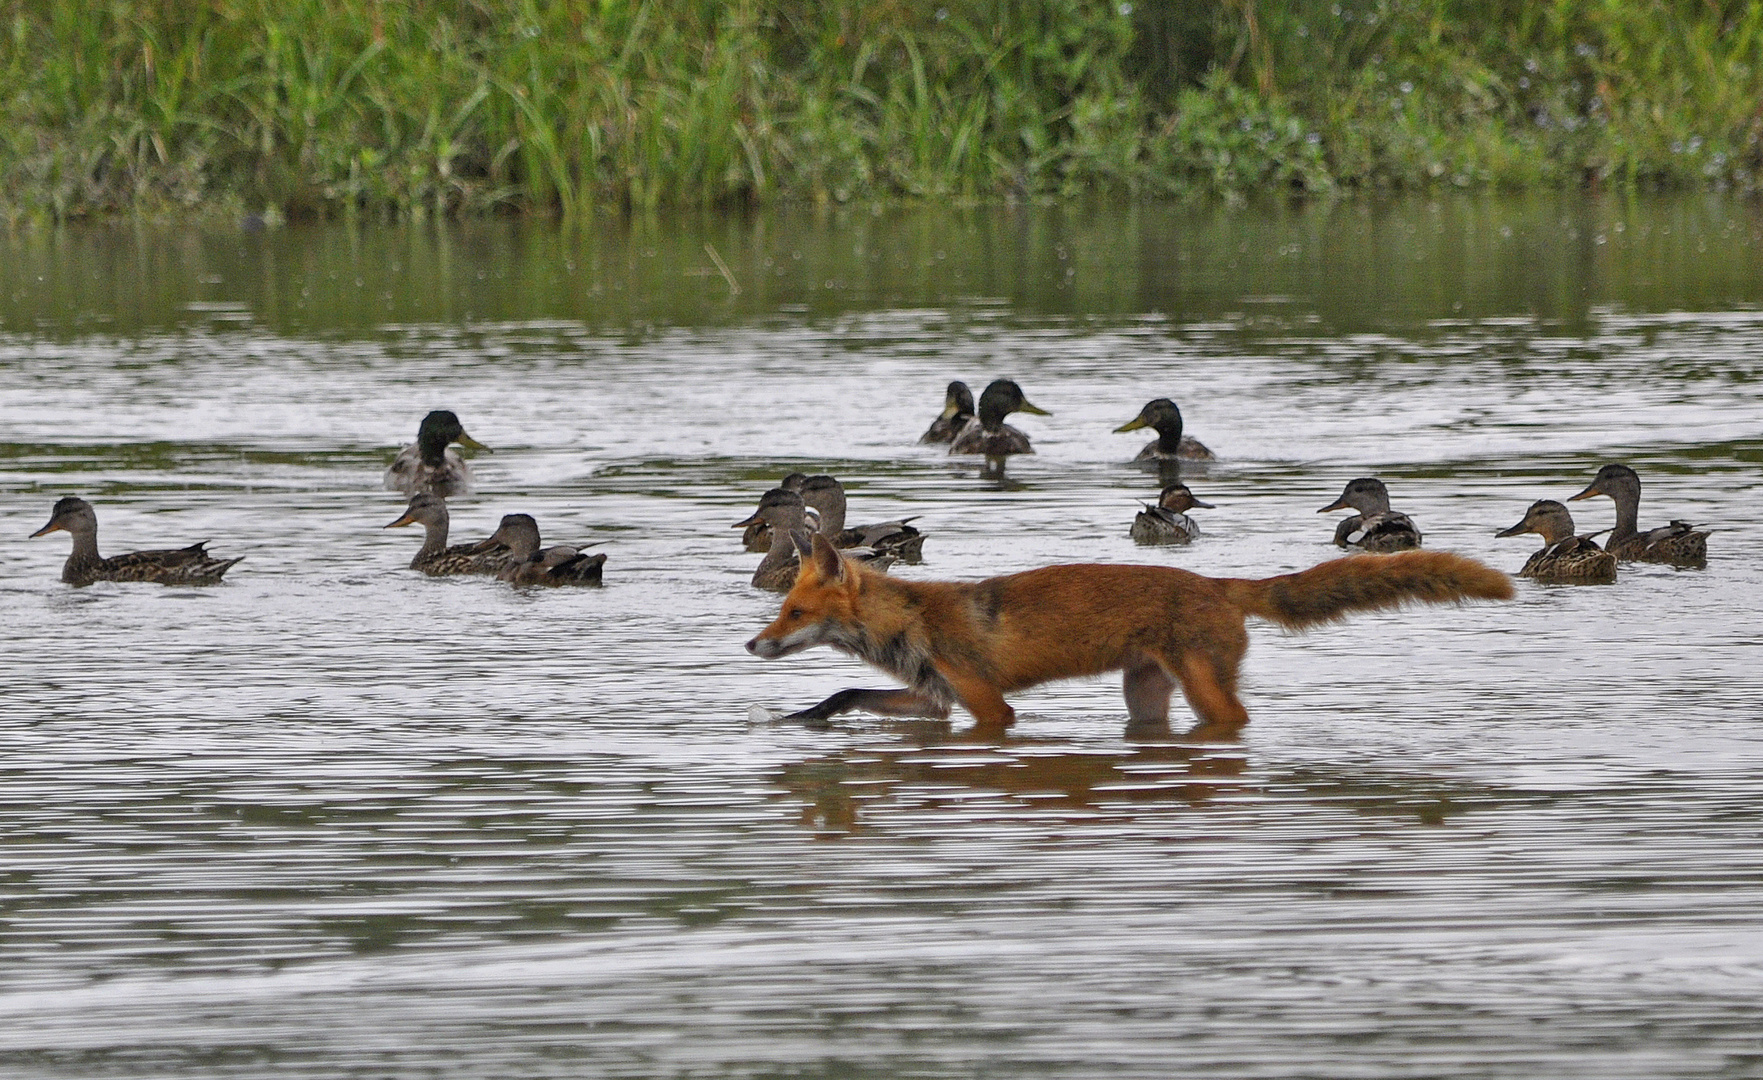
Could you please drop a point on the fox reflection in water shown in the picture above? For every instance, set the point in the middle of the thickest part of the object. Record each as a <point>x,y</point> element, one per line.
<point>834,790</point>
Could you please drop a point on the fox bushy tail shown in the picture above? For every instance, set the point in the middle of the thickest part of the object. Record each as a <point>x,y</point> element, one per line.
<point>1339,587</point>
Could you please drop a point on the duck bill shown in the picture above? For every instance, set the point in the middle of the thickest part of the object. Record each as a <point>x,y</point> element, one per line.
<point>53,526</point>
<point>1517,530</point>
<point>468,441</point>
<point>1201,505</point>
<point>407,519</point>
<point>1027,407</point>
<point>494,541</point>
<point>1134,424</point>
<point>1590,490</point>
<point>754,520</point>
<point>1338,504</point>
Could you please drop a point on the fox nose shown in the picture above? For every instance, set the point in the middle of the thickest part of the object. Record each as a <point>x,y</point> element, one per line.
<point>753,646</point>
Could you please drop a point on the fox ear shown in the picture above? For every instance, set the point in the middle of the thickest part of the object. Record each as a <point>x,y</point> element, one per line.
<point>804,551</point>
<point>827,561</point>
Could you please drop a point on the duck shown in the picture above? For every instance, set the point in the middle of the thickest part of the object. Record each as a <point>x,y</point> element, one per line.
<point>1170,444</point>
<point>530,563</point>
<point>435,558</point>
<point>826,496</point>
<point>1676,544</point>
<point>172,566</point>
<point>757,537</point>
<point>430,464</point>
<point>787,515</point>
<point>1167,522</point>
<point>1565,559</point>
<point>1375,527</point>
<point>957,411</point>
<point>987,433</point>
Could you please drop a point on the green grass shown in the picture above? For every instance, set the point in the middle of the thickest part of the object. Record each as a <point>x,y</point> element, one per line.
<point>418,108</point>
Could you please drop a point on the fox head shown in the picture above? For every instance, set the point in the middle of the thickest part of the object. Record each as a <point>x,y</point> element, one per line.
<point>823,600</point>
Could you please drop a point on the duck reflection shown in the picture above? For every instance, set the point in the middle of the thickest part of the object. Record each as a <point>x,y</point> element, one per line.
<point>935,769</point>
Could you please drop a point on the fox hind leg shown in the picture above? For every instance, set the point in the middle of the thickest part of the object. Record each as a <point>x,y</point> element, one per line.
<point>1147,688</point>
<point>1209,683</point>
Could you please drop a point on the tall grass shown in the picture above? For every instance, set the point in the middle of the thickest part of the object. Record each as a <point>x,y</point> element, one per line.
<point>414,108</point>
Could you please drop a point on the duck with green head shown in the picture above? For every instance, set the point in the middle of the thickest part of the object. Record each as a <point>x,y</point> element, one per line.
<point>957,411</point>
<point>1565,558</point>
<point>531,563</point>
<point>1676,544</point>
<point>988,434</point>
<point>171,566</point>
<point>1168,522</point>
<point>1170,445</point>
<point>1375,527</point>
<point>430,463</point>
<point>435,558</point>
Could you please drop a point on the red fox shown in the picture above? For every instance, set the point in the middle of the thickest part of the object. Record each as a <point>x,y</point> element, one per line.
<point>972,643</point>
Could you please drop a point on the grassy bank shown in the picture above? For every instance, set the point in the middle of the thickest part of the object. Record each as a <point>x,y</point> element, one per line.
<point>439,107</point>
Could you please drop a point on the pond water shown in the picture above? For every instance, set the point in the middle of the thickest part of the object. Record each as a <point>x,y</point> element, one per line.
<point>333,818</point>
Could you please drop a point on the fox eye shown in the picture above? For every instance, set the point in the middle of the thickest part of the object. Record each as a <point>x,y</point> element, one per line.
<point>794,613</point>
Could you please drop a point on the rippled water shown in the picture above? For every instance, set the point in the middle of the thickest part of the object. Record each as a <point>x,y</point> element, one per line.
<point>337,819</point>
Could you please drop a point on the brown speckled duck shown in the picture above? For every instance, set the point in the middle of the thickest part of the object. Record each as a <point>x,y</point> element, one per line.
<point>757,536</point>
<point>786,513</point>
<point>435,558</point>
<point>532,564</point>
<point>1168,522</point>
<point>172,566</point>
<point>826,496</point>
<point>957,411</point>
<point>430,464</point>
<point>1375,527</point>
<point>1170,444</point>
<point>1676,544</point>
<point>1565,559</point>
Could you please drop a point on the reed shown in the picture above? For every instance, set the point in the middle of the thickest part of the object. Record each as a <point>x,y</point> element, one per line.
<point>418,108</point>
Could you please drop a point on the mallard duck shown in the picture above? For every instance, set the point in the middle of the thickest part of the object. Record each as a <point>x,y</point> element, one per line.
<point>435,558</point>
<point>1167,523</point>
<point>988,434</point>
<point>532,564</point>
<point>1564,558</point>
<point>1676,544</point>
<point>173,566</point>
<point>826,496</point>
<point>1170,444</point>
<point>1375,527</point>
<point>758,535</point>
<point>957,411</point>
<point>786,513</point>
<point>430,464</point>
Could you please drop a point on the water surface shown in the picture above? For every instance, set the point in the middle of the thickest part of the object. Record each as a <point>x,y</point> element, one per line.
<point>337,819</point>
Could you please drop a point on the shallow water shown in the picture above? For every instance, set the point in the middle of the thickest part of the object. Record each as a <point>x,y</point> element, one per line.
<point>333,818</point>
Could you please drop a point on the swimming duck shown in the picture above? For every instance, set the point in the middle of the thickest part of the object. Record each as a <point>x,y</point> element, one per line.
<point>1375,527</point>
<point>1166,523</point>
<point>430,464</point>
<point>532,564</point>
<point>173,566</point>
<point>786,513</point>
<point>987,433</point>
<point>826,495</point>
<point>435,558</point>
<point>1170,444</point>
<point>758,535</point>
<point>1564,558</point>
<point>957,411</point>
<point>1676,544</point>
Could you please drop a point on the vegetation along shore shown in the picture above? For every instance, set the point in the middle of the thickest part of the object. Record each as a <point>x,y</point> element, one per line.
<point>418,108</point>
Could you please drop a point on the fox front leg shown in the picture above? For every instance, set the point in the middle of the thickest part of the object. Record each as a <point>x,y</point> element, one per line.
<point>881,702</point>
